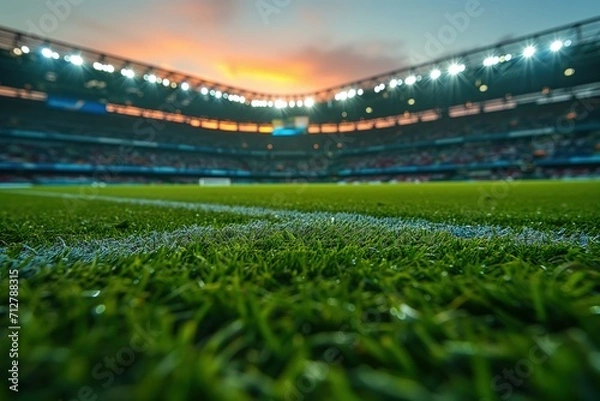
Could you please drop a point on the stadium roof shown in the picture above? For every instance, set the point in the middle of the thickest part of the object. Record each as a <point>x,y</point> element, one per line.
<point>544,64</point>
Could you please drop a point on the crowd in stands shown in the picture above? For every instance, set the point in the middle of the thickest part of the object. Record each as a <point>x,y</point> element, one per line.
<point>525,150</point>
<point>316,157</point>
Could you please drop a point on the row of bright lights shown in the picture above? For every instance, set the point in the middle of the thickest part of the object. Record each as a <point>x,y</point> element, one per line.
<point>456,68</point>
<point>453,69</point>
<point>77,60</point>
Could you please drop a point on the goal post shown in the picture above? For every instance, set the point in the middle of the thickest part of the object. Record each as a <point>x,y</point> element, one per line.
<point>214,182</point>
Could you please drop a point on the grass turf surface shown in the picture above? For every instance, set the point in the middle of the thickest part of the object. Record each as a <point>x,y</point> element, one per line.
<point>235,307</point>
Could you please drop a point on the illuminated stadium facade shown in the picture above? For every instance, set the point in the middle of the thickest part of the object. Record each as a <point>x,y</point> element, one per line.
<point>448,104</point>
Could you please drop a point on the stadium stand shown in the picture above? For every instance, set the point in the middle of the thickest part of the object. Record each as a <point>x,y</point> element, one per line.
<point>509,115</point>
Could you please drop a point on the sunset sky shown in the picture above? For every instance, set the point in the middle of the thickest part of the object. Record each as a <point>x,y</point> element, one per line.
<point>301,45</point>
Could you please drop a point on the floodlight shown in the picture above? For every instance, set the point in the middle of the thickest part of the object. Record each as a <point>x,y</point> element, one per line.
<point>556,45</point>
<point>76,60</point>
<point>529,51</point>
<point>47,52</point>
<point>410,80</point>
<point>456,69</point>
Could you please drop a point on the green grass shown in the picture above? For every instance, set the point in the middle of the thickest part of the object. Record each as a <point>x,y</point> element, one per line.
<point>308,311</point>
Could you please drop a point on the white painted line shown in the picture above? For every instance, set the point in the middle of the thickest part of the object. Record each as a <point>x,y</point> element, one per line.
<point>280,220</point>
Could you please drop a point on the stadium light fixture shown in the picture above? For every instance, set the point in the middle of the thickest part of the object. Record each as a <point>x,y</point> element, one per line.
<point>528,52</point>
<point>300,103</point>
<point>76,59</point>
<point>490,61</point>
<point>152,78</point>
<point>128,73</point>
<point>17,51</point>
<point>411,80</point>
<point>25,49</point>
<point>393,83</point>
<point>360,92</point>
<point>556,46</point>
<point>456,69</point>
<point>166,82</point>
<point>218,94</point>
<point>270,103</point>
<point>309,102</point>
<point>48,53</point>
<point>379,88</point>
<point>204,91</point>
<point>351,93</point>
<point>292,104</point>
<point>435,74</point>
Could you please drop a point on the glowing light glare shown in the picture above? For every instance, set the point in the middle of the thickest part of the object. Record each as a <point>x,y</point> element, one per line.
<point>128,73</point>
<point>292,104</point>
<point>393,83</point>
<point>379,88</point>
<point>98,66</point>
<point>109,68</point>
<point>351,93</point>
<point>25,49</point>
<point>567,44</point>
<point>47,52</point>
<point>166,82</point>
<point>483,88</point>
<point>456,69</point>
<point>410,80</point>
<point>270,103</point>
<point>360,92</point>
<point>185,86</point>
<point>435,74</point>
<point>152,78</point>
<point>300,103</point>
<point>76,60</point>
<point>492,60</point>
<point>218,94</point>
<point>280,104</point>
<point>569,72</point>
<point>529,51</point>
<point>17,51</point>
<point>204,91</point>
<point>309,102</point>
<point>556,45</point>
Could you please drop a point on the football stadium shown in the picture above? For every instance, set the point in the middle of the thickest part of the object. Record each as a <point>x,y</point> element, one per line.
<point>426,233</point>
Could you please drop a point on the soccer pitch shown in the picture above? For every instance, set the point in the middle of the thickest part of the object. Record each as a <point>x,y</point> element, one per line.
<point>455,291</point>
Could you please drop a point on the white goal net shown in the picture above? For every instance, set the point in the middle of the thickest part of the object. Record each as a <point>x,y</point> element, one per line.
<point>214,182</point>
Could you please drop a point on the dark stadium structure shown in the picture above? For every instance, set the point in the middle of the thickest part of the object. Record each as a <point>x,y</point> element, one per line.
<point>523,108</point>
